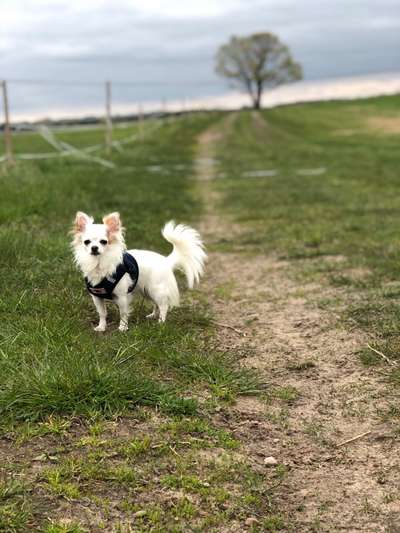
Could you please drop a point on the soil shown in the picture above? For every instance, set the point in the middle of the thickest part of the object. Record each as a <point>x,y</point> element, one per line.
<point>385,125</point>
<point>318,393</point>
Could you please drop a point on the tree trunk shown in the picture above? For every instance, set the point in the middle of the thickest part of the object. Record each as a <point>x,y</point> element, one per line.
<point>257,99</point>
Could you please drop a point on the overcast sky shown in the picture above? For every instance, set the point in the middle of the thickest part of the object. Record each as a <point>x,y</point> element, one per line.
<point>175,41</point>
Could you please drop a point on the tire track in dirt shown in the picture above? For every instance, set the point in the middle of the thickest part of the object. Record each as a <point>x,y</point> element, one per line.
<point>318,393</point>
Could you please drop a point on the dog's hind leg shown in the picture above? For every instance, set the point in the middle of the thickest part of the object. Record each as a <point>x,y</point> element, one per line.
<point>154,313</point>
<point>102,310</point>
<point>163,310</point>
<point>123,304</point>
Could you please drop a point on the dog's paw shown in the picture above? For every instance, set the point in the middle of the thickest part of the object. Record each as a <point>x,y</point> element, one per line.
<point>99,328</point>
<point>123,327</point>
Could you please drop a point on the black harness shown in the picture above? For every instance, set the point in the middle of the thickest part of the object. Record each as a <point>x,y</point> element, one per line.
<point>105,288</point>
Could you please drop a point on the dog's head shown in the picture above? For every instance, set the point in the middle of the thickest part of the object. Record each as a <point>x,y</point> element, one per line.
<point>94,240</point>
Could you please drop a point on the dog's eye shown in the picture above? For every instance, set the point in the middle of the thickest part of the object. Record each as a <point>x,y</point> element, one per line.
<point>86,242</point>
<point>103,242</point>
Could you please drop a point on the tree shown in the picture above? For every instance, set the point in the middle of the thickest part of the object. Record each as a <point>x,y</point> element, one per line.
<point>255,62</point>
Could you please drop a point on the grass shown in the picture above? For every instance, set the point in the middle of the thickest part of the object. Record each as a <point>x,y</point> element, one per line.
<point>79,137</point>
<point>118,432</point>
<point>14,507</point>
<point>339,225</point>
<point>349,210</point>
<point>68,394</point>
<point>175,474</point>
<point>52,362</point>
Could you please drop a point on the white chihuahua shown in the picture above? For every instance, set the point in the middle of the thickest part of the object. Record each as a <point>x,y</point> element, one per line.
<point>113,273</point>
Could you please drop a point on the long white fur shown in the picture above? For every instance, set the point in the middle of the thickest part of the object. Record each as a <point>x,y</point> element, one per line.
<point>156,272</point>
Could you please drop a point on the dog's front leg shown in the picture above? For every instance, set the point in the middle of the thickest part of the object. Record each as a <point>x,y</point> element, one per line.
<point>123,304</point>
<point>102,310</point>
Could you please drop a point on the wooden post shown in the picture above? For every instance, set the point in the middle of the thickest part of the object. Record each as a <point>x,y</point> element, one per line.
<point>108,117</point>
<point>7,127</point>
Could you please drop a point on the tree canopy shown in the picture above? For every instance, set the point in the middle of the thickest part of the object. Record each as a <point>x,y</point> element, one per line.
<point>255,62</point>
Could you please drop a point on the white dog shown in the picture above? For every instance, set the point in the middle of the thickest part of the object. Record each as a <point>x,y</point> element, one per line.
<point>113,273</point>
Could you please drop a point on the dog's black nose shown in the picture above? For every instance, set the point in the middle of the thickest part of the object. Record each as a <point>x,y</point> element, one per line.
<point>95,249</point>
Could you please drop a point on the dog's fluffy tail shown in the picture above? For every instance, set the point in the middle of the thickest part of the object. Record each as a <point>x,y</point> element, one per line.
<point>188,254</point>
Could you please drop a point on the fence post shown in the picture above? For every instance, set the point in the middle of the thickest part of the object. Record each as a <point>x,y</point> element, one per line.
<point>108,117</point>
<point>7,127</point>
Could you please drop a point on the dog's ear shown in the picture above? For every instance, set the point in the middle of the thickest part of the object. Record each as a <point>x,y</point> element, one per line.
<point>81,221</point>
<point>112,222</point>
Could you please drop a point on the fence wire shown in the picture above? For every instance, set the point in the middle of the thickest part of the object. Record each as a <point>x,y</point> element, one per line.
<point>152,119</point>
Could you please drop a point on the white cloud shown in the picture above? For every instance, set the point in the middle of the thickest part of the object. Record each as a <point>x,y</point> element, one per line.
<point>62,50</point>
<point>180,9</point>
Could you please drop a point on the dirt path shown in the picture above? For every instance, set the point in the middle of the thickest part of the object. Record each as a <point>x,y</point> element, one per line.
<point>319,395</point>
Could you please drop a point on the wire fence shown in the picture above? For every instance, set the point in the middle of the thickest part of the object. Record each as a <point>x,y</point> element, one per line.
<point>147,121</point>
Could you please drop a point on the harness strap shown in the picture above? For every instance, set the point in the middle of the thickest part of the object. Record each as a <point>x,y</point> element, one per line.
<point>106,287</point>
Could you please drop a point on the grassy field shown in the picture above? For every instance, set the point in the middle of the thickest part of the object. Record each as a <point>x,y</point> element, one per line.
<point>122,432</point>
<point>335,193</point>
<point>65,389</point>
<point>32,142</point>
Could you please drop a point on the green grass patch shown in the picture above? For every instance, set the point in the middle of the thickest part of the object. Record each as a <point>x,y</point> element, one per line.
<point>51,362</point>
<point>63,528</point>
<point>15,510</point>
